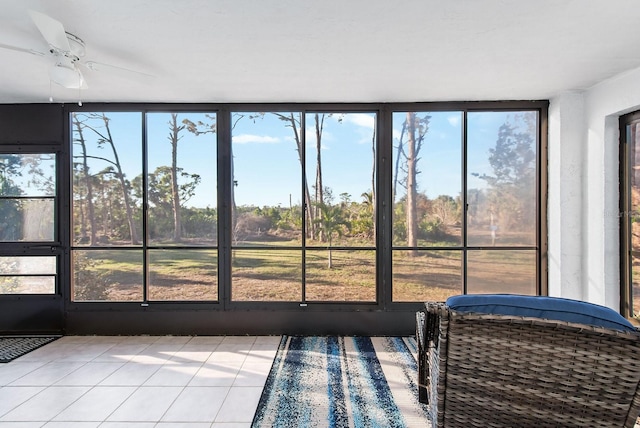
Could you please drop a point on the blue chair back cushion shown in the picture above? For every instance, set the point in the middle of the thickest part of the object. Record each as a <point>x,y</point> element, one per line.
<point>552,308</point>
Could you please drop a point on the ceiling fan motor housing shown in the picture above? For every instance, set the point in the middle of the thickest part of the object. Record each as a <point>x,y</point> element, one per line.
<point>77,47</point>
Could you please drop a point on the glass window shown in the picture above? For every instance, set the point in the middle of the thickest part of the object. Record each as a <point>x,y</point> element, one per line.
<point>491,205</point>
<point>427,204</point>
<point>337,152</point>
<point>107,275</point>
<point>457,193</point>
<point>183,274</point>
<point>501,188</point>
<point>27,197</point>
<point>138,236</point>
<point>267,200</point>
<point>28,275</point>
<point>501,271</point>
<point>340,275</point>
<point>181,182</point>
<point>182,214</point>
<point>630,213</point>
<point>107,185</point>
<point>28,223</point>
<point>267,195</point>
<point>427,276</point>
<point>261,275</point>
<point>341,172</point>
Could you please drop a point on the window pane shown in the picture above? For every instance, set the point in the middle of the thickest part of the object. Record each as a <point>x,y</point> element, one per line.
<point>27,284</point>
<point>340,275</point>
<point>27,220</point>
<point>341,169</point>
<point>496,271</point>
<point>182,179</point>
<point>22,275</point>
<point>29,175</point>
<point>266,275</point>
<point>427,178</point>
<point>107,275</point>
<point>28,265</point>
<point>267,192</point>
<point>633,139</point>
<point>429,276</point>
<point>501,189</point>
<point>183,274</point>
<point>107,178</point>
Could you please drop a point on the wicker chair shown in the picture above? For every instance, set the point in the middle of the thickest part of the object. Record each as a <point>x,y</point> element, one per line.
<point>483,370</point>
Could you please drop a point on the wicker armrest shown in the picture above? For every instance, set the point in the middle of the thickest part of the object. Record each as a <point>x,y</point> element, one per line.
<point>428,322</point>
<point>479,370</point>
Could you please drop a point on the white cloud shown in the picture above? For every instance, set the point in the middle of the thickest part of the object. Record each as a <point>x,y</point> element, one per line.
<point>364,120</point>
<point>453,120</point>
<point>258,139</point>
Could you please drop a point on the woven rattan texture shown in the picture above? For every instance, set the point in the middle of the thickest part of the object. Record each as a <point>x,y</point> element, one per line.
<point>502,371</point>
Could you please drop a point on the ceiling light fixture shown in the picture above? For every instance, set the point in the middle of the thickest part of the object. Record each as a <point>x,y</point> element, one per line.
<point>66,76</point>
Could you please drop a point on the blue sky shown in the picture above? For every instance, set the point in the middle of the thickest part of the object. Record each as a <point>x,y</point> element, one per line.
<point>266,164</point>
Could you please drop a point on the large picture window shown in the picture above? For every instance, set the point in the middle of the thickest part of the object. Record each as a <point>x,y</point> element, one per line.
<point>144,217</point>
<point>287,206</point>
<point>465,210</point>
<point>303,224</point>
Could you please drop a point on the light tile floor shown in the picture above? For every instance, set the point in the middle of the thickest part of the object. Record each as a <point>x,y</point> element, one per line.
<point>137,382</point>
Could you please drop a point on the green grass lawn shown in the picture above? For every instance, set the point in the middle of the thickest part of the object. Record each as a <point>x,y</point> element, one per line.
<point>276,275</point>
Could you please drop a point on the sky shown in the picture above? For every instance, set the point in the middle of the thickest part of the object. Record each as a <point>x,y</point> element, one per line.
<point>267,167</point>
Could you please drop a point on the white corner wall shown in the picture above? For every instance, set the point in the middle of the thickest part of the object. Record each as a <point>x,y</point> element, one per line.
<point>584,259</point>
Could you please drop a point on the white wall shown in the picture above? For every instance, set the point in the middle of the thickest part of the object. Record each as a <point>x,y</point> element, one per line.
<point>584,258</point>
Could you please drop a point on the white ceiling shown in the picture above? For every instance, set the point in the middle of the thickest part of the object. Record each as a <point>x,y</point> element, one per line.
<point>325,50</point>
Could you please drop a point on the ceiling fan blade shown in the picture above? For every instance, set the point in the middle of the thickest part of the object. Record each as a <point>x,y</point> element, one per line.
<point>52,31</point>
<point>98,66</point>
<point>19,49</point>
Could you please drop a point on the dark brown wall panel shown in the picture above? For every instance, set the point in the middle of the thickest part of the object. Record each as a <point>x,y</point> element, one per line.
<point>253,322</point>
<point>25,123</point>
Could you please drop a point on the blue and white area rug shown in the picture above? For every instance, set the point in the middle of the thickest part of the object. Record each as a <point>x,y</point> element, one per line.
<point>340,381</point>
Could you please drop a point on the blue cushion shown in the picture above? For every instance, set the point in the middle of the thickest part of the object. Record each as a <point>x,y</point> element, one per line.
<point>553,308</point>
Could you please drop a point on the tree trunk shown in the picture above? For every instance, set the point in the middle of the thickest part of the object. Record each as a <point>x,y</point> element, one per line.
<point>174,137</point>
<point>412,187</point>
<point>397,165</point>
<point>125,194</point>
<point>88,184</point>
<point>319,189</point>
<point>310,231</point>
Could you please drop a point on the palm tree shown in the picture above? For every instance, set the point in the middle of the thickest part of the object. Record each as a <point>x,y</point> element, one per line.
<point>331,221</point>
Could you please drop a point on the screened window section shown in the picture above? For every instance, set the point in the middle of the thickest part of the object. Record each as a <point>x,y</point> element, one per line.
<point>303,207</point>
<point>464,203</point>
<point>630,213</point>
<point>319,206</point>
<point>144,216</point>
<point>27,220</point>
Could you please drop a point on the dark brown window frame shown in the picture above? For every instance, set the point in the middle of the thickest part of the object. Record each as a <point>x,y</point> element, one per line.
<point>626,295</point>
<point>384,112</point>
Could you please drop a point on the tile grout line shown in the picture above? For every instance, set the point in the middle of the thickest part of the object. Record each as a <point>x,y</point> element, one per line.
<point>91,388</point>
